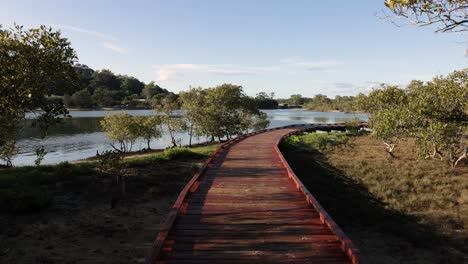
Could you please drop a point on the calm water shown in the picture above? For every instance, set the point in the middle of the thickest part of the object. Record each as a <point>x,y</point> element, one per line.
<point>81,136</point>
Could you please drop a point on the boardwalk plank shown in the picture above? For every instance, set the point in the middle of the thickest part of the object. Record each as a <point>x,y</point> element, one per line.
<point>246,210</point>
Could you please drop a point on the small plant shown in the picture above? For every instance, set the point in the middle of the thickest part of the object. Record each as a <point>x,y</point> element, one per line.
<point>178,153</point>
<point>40,154</point>
<point>7,152</point>
<point>111,164</point>
<point>318,141</point>
<point>353,125</point>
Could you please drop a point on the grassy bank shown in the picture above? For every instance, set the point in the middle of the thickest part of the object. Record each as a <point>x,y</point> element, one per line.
<point>397,210</point>
<point>62,213</point>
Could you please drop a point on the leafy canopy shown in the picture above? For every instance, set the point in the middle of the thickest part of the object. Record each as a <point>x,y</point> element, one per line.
<point>446,15</point>
<point>34,64</point>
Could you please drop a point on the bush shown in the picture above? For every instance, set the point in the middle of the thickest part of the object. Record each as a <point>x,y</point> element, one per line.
<point>318,141</point>
<point>353,125</point>
<point>179,153</point>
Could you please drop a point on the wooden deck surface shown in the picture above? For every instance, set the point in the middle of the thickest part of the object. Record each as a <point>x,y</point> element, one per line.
<point>247,210</point>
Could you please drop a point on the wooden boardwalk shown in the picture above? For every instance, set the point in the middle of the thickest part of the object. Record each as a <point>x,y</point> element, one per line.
<point>243,208</point>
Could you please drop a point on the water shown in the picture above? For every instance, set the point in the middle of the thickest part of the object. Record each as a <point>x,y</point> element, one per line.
<point>81,136</point>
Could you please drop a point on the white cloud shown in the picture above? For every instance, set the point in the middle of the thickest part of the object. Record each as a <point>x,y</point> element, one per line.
<point>84,30</point>
<point>107,41</point>
<point>170,72</point>
<point>113,47</point>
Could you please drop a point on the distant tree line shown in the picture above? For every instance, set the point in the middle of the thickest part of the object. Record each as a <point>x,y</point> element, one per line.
<point>103,88</point>
<point>323,103</point>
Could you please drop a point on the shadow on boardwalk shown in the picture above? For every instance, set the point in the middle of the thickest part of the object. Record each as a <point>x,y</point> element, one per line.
<point>383,235</point>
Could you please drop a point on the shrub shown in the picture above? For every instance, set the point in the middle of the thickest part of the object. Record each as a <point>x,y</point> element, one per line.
<point>353,125</point>
<point>319,141</point>
<point>179,153</point>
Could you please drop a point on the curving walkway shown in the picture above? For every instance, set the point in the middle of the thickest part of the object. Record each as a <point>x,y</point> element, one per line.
<point>243,208</point>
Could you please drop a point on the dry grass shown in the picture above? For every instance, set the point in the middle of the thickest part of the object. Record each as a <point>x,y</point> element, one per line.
<point>79,226</point>
<point>397,210</point>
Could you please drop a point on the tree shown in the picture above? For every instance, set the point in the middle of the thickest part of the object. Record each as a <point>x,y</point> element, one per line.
<point>105,79</point>
<point>390,125</point>
<point>193,102</point>
<point>222,111</point>
<point>319,102</point>
<point>130,85</point>
<point>446,15</point>
<point>265,101</point>
<point>148,127</point>
<point>85,76</point>
<point>440,114</point>
<point>151,89</point>
<point>296,99</point>
<point>34,64</point>
<point>121,128</point>
<point>435,114</point>
<point>105,98</point>
<point>388,115</point>
<point>167,105</point>
<point>82,98</point>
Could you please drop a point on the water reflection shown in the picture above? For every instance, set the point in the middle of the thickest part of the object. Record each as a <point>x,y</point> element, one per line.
<point>81,136</point>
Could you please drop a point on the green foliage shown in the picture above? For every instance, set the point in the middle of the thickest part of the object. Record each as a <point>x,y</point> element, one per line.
<point>265,101</point>
<point>434,113</point>
<point>440,113</point>
<point>105,89</point>
<point>447,15</point>
<point>104,97</point>
<point>166,104</point>
<point>148,127</point>
<point>311,141</point>
<point>7,152</point>
<point>179,153</point>
<point>109,163</point>
<point>388,115</point>
<point>322,103</point>
<point>105,79</point>
<point>296,99</point>
<point>81,98</point>
<point>122,129</point>
<point>40,154</point>
<point>222,111</point>
<point>130,85</point>
<point>150,90</point>
<point>34,65</point>
<point>353,125</point>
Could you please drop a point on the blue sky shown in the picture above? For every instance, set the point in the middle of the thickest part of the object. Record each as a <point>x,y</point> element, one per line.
<point>287,47</point>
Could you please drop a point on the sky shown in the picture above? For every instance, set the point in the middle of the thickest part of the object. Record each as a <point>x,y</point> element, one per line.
<point>333,47</point>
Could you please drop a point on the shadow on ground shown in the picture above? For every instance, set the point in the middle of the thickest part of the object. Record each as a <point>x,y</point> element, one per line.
<point>382,234</point>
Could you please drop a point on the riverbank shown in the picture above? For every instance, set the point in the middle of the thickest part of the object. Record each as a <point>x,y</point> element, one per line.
<point>394,209</point>
<point>63,213</point>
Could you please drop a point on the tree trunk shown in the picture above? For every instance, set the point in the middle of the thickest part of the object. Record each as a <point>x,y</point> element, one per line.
<point>148,142</point>
<point>463,156</point>
<point>122,185</point>
<point>190,139</point>
<point>115,148</point>
<point>435,153</point>
<point>389,147</point>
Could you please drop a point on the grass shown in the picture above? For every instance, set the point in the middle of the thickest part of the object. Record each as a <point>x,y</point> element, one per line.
<point>397,210</point>
<point>62,213</point>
